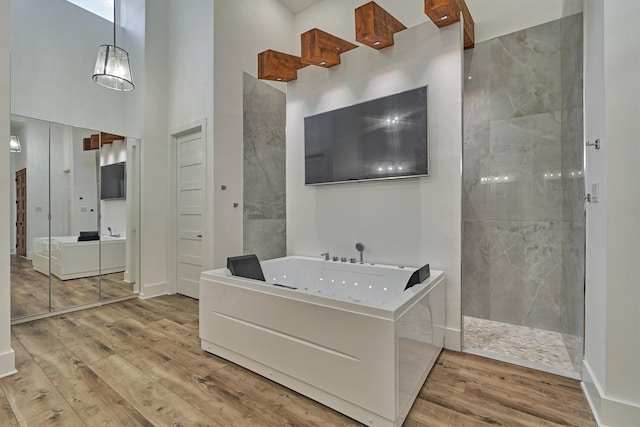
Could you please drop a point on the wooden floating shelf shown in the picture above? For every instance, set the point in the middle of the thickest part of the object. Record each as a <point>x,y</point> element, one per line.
<point>323,49</point>
<point>93,142</point>
<point>447,12</point>
<point>375,26</point>
<point>278,66</point>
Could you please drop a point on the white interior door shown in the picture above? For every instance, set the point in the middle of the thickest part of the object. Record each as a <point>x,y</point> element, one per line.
<point>190,212</point>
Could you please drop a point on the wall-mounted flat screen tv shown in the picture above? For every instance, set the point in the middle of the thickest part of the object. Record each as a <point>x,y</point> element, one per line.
<point>379,139</point>
<point>113,181</point>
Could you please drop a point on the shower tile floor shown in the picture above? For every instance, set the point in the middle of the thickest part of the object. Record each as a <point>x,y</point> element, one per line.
<point>544,350</point>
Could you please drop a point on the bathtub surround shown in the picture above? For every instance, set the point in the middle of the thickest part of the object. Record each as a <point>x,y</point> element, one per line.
<point>264,194</point>
<point>522,173</point>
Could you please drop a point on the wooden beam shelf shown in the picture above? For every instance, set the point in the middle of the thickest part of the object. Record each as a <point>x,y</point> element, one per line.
<point>323,49</point>
<point>447,12</point>
<point>278,66</point>
<point>375,26</point>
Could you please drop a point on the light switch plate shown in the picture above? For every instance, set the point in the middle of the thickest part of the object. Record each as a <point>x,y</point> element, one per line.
<point>595,192</point>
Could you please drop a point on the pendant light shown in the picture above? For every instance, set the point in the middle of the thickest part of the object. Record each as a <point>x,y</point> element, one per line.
<point>14,144</point>
<point>112,66</point>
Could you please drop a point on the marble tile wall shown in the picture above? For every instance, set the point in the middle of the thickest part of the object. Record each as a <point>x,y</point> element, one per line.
<point>264,204</point>
<point>522,114</point>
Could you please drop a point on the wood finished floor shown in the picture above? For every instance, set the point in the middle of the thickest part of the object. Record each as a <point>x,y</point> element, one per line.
<point>139,363</point>
<point>30,289</point>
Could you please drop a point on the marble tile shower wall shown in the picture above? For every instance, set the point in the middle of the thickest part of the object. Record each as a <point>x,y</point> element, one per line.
<point>514,210</point>
<point>264,211</point>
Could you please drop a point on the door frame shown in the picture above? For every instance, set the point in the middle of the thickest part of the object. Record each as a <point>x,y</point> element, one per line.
<point>172,229</point>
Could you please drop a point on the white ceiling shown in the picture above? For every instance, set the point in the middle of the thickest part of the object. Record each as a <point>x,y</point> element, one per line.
<point>296,6</point>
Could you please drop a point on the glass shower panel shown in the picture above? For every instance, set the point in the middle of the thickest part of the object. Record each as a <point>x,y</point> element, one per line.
<point>75,244</point>
<point>523,220</point>
<point>29,218</point>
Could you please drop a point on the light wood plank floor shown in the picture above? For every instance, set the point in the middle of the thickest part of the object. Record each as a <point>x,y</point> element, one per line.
<point>30,289</point>
<point>139,363</point>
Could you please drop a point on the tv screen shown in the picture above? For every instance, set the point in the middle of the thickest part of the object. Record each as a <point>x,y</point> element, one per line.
<point>113,181</point>
<point>379,139</point>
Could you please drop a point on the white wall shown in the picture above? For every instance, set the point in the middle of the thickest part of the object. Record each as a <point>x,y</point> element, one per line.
<point>243,28</point>
<point>153,192</point>
<point>612,335</point>
<point>114,212</point>
<point>60,137</point>
<point>595,271</point>
<point>54,46</point>
<point>338,17</point>
<point>494,18</point>
<point>85,188</point>
<point>36,141</point>
<point>7,357</point>
<point>404,222</point>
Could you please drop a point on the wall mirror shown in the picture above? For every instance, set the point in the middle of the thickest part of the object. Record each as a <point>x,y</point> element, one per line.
<point>75,215</point>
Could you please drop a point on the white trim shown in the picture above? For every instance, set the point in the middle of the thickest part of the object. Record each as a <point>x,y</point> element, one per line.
<point>8,364</point>
<point>607,411</point>
<point>154,290</point>
<point>172,229</point>
<point>453,339</point>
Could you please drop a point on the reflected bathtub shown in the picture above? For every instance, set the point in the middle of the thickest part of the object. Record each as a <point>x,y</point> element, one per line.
<point>346,335</point>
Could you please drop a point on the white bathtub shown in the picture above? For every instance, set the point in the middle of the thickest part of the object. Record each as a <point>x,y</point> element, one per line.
<point>349,337</point>
<point>71,259</point>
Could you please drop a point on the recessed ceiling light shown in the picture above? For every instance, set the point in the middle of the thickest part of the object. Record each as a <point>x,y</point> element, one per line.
<point>376,43</point>
<point>444,17</point>
<point>323,63</point>
<point>279,79</point>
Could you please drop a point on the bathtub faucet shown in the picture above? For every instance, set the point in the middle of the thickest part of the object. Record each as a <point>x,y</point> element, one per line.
<point>360,248</point>
<point>325,255</point>
<point>110,233</point>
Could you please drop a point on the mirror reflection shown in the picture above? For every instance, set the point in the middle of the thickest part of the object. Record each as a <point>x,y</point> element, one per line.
<point>76,201</point>
<point>29,217</point>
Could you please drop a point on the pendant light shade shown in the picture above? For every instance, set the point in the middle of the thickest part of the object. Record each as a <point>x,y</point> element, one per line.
<point>112,68</point>
<point>14,144</point>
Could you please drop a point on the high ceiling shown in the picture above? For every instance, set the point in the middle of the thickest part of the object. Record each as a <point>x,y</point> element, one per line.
<point>296,6</point>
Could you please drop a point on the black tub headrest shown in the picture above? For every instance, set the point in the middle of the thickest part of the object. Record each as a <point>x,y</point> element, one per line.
<point>418,276</point>
<point>246,266</point>
<point>87,236</point>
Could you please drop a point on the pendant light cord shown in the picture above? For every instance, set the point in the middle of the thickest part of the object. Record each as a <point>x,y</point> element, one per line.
<point>114,23</point>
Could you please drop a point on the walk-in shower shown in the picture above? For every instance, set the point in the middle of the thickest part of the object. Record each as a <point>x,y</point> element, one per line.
<point>523,216</point>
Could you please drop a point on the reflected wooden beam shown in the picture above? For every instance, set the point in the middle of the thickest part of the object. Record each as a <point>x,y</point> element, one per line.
<point>323,49</point>
<point>108,138</point>
<point>93,142</point>
<point>278,66</point>
<point>446,12</point>
<point>375,26</point>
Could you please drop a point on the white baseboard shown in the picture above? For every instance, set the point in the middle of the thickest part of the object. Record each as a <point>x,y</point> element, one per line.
<point>608,412</point>
<point>453,339</point>
<point>153,290</point>
<point>7,364</point>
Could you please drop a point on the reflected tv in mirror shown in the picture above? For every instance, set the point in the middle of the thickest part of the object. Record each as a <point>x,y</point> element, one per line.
<point>113,181</point>
<point>379,139</point>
